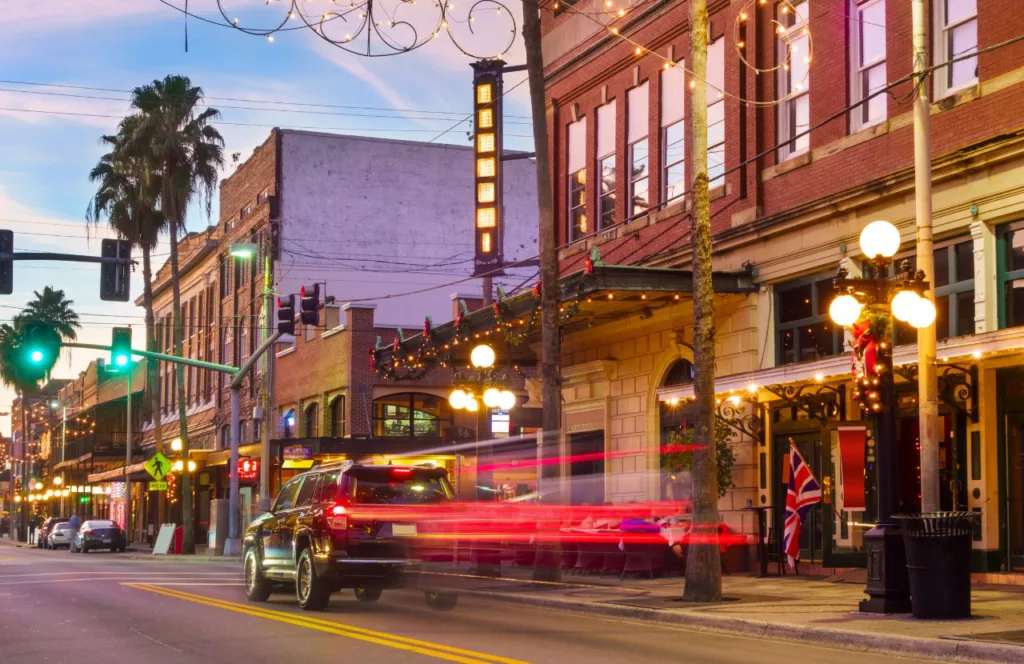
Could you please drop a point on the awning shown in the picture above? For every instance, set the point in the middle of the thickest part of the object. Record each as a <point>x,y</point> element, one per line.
<point>136,471</point>
<point>600,295</point>
<point>300,464</point>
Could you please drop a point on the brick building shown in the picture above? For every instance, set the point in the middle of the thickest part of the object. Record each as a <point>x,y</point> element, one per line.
<point>798,167</point>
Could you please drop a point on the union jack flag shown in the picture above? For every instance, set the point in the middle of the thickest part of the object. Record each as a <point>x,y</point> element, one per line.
<point>803,492</point>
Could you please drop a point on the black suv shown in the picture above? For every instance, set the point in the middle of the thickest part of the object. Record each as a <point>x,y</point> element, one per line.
<point>323,534</point>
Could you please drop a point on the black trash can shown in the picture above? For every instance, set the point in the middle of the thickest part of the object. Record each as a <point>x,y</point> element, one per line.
<point>939,563</point>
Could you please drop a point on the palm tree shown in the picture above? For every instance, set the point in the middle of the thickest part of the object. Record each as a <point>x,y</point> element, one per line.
<point>54,309</point>
<point>126,195</point>
<point>186,151</point>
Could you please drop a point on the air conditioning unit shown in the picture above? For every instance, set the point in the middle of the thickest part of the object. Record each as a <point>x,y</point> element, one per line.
<point>257,413</point>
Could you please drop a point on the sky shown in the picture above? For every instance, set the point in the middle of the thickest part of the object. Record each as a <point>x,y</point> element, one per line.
<point>67,68</point>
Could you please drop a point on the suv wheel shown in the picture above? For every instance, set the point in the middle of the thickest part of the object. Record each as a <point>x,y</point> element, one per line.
<point>442,601</point>
<point>257,588</point>
<point>311,591</point>
<point>368,594</point>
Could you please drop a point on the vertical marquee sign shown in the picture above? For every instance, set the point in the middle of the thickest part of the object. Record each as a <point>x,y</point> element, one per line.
<point>487,130</point>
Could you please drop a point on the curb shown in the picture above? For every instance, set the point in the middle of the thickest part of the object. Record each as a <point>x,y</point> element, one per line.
<point>975,652</point>
<point>176,558</point>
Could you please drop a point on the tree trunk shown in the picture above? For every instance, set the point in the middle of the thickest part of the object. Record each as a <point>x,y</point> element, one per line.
<point>153,369</point>
<point>188,545</point>
<point>703,565</point>
<point>548,564</point>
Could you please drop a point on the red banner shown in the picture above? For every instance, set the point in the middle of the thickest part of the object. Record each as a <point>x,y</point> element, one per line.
<point>852,440</point>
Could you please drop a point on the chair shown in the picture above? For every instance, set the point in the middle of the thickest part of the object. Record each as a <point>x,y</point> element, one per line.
<point>774,552</point>
<point>590,557</point>
<point>643,559</point>
<point>614,559</point>
<point>569,554</point>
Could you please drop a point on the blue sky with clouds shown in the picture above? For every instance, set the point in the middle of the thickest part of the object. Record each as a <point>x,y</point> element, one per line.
<point>49,135</point>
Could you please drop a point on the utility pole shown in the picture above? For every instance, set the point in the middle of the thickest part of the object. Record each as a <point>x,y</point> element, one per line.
<point>269,417</point>
<point>547,567</point>
<point>128,458</point>
<point>927,385</point>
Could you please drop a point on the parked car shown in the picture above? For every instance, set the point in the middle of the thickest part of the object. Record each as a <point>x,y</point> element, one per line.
<point>44,530</point>
<point>315,540</point>
<point>60,536</point>
<point>97,534</point>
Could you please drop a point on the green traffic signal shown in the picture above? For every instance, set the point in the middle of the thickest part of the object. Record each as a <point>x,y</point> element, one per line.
<point>36,356</point>
<point>121,347</point>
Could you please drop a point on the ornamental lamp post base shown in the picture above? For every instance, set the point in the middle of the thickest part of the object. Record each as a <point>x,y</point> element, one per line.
<point>888,587</point>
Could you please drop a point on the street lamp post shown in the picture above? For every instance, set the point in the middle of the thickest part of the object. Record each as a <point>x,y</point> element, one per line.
<point>868,305</point>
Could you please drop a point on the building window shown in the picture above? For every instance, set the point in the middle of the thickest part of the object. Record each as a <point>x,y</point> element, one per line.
<point>246,211</point>
<point>243,431</point>
<point>716,112</point>
<point>312,421</point>
<point>1010,268</point>
<point>288,424</point>
<point>803,329</point>
<point>956,34</point>
<point>577,185</point>
<point>673,133</point>
<point>410,414</point>
<point>262,196</point>
<point>225,437</point>
<point>867,58</point>
<point>638,152</point>
<point>606,164</point>
<point>793,56</point>
<point>338,417</point>
<point>954,290</point>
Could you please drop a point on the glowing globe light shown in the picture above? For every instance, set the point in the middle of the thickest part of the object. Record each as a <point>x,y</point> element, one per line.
<point>904,305</point>
<point>880,238</point>
<point>472,405</point>
<point>457,399</point>
<point>482,356</point>
<point>492,397</point>
<point>923,313</point>
<point>845,310</point>
<point>507,400</point>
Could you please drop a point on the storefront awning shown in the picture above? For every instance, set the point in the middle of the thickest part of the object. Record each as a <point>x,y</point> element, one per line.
<point>136,471</point>
<point>598,295</point>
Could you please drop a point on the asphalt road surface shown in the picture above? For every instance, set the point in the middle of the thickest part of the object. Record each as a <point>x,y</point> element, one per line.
<point>58,608</point>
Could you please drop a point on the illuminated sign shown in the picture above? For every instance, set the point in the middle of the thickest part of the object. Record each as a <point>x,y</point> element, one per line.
<point>248,469</point>
<point>487,222</point>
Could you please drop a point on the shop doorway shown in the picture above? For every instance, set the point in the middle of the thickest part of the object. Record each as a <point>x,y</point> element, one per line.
<point>812,534</point>
<point>1014,483</point>
<point>586,468</point>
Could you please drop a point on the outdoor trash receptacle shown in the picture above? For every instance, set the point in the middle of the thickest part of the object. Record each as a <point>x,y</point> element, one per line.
<point>939,563</point>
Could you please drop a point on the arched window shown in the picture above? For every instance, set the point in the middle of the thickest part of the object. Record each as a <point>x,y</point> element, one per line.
<point>243,431</point>
<point>680,373</point>
<point>312,421</point>
<point>225,436</point>
<point>288,425</point>
<point>674,421</point>
<point>410,414</point>
<point>338,417</point>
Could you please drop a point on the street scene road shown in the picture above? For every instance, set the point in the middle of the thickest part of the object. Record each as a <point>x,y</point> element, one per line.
<point>60,608</point>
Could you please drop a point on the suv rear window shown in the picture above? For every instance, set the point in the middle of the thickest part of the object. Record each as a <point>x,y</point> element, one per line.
<point>397,486</point>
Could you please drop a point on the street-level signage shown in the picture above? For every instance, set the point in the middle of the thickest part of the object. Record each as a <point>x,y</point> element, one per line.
<point>248,469</point>
<point>158,486</point>
<point>158,466</point>
<point>298,452</point>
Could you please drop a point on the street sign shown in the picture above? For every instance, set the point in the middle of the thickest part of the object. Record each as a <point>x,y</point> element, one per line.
<point>158,466</point>
<point>158,486</point>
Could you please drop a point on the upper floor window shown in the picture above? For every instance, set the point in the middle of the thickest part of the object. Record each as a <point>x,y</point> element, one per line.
<point>1010,268</point>
<point>262,196</point>
<point>638,151</point>
<point>246,210</point>
<point>338,417</point>
<point>956,34</point>
<point>312,421</point>
<point>606,164</point>
<point>410,414</point>
<point>794,58</point>
<point>673,133</point>
<point>716,112</point>
<point>577,185</point>
<point>803,329</point>
<point>867,57</point>
<point>288,425</point>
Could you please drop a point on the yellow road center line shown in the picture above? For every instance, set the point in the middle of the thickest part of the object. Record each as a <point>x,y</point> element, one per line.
<point>437,650</point>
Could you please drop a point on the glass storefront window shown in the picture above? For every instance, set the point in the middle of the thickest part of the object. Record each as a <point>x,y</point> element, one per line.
<point>410,414</point>
<point>803,328</point>
<point>1010,268</point>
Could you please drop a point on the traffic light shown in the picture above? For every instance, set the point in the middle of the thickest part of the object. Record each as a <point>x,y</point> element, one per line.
<point>120,348</point>
<point>39,347</point>
<point>115,277</point>
<point>310,297</point>
<point>6,262</point>
<point>286,314</point>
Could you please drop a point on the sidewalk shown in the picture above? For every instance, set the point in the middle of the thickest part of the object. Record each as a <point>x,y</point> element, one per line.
<point>142,552</point>
<point>805,609</point>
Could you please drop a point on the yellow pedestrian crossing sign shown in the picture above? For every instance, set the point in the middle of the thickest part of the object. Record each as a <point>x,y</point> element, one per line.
<point>158,466</point>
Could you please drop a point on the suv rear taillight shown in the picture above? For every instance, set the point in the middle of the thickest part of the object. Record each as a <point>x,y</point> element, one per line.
<point>337,517</point>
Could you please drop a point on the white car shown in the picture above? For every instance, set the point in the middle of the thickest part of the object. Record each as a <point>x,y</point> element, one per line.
<point>60,536</point>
